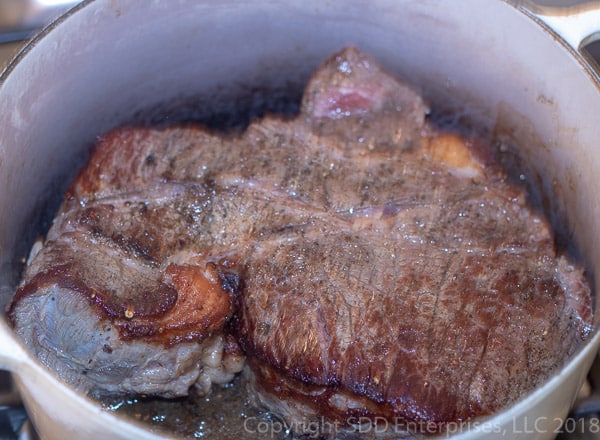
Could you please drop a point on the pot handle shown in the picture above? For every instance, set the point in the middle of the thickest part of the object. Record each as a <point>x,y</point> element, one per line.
<point>12,354</point>
<point>575,25</point>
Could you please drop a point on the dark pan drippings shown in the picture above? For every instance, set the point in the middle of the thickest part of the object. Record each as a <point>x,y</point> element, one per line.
<point>226,414</point>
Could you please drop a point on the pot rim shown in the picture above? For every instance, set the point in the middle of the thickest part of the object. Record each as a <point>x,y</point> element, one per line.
<point>501,417</point>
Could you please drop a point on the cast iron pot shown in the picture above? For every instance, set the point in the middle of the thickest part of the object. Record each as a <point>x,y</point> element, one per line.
<point>112,61</point>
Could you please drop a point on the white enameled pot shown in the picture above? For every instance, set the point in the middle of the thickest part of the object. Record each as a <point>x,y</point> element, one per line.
<point>107,61</point>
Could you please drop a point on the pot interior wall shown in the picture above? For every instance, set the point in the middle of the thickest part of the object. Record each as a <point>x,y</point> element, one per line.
<point>112,62</point>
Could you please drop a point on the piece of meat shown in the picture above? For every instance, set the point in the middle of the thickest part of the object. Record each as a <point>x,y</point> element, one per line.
<point>365,264</point>
<point>111,283</point>
<point>440,299</point>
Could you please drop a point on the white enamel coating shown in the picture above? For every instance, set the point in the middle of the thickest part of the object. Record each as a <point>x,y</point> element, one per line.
<point>13,355</point>
<point>112,58</point>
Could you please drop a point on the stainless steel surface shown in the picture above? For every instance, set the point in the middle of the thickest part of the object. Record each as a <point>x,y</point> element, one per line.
<point>20,18</point>
<point>7,51</point>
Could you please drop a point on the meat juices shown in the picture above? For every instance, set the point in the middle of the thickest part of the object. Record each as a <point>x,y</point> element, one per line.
<point>361,263</point>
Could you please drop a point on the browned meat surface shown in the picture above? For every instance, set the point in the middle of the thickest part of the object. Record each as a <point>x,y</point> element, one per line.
<point>364,263</point>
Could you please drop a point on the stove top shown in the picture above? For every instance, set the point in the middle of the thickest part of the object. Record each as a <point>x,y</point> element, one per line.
<point>14,424</point>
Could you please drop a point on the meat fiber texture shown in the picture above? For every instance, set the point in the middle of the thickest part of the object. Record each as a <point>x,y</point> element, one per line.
<point>363,264</point>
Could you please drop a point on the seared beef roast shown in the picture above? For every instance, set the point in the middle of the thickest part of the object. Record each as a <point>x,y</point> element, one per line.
<point>367,265</point>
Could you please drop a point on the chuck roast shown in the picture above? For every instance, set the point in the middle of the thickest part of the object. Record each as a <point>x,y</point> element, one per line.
<point>366,264</point>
